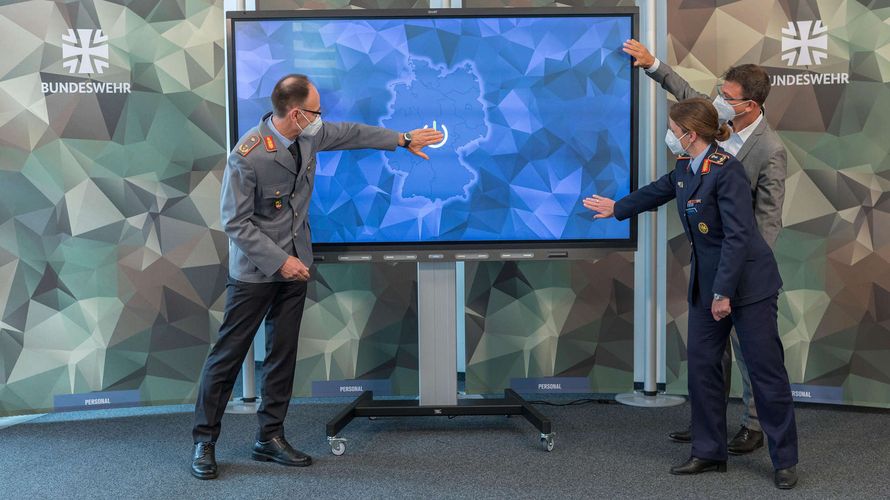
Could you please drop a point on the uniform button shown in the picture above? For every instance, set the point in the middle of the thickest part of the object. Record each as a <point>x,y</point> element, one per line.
<point>291,195</point>
<point>277,193</point>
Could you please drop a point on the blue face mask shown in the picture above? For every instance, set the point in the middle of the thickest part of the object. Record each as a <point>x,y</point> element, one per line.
<point>674,143</point>
<point>312,128</point>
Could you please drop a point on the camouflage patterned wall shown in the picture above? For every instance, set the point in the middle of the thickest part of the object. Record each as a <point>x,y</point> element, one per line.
<point>112,145</point>
<point>111,256</point>
<point>834,250</point>
<point>112,262</point>
<point>110,251</point>
<point>550,319</point>
<point>360,322</point>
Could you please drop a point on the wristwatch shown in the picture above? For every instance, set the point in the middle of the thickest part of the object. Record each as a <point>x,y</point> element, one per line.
<point>717,296</point>
<point>406,137</point>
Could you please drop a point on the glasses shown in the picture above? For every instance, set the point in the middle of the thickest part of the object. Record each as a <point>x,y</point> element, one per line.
<point>316,113</point>
<point>728,98</point>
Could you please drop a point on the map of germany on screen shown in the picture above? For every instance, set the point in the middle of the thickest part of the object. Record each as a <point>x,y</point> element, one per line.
<point>535,112</point>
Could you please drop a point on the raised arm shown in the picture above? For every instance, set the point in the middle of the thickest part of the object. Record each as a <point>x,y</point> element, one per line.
<point>660,72</point>
<point>345,135</point>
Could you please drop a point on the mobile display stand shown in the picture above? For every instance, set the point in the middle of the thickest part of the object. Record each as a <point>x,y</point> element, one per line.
<point>437,349</point>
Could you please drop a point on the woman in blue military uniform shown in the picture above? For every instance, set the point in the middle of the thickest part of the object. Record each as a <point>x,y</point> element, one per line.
<point>734,280</point>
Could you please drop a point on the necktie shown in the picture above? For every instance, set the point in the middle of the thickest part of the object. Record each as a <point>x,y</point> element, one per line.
<point>294,149</point>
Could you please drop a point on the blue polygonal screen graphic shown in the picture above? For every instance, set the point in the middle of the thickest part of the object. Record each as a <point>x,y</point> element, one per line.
<point>537,113</point>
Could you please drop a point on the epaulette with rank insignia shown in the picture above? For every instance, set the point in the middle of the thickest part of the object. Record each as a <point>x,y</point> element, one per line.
<point>248,145</point>
<point>681,157</point>
<point>718,158</point>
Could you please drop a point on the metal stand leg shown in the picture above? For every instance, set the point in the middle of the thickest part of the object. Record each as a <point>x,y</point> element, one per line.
<point>249,403</point>
<point>437,341</point>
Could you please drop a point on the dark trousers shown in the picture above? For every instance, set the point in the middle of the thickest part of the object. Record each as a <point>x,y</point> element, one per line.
<point>749,418</point>
<point>281,304</point>
<point>757,327</point>
<point>726,365</point>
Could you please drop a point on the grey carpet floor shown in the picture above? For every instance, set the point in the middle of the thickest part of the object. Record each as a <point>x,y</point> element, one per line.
<point>602,451</point>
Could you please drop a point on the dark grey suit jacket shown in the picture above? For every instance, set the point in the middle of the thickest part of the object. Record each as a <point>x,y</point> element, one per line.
<point>762,154</point>
<point>264,203</point>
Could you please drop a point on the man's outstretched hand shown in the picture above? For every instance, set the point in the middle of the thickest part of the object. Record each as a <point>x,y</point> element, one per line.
<point>421,138</point>
<point>642,57</point>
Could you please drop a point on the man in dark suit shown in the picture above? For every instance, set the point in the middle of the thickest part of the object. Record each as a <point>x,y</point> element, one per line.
<point>759,148</point>
<point>734,282</point>
<point>264,207</point>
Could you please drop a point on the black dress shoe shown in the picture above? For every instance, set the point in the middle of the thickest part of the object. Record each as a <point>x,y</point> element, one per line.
<point>745,441</point>
<point>204,461</point>
<point>785,479</point>
<point>681,436</point>
<point>279,450</point>
<point>697,466</point>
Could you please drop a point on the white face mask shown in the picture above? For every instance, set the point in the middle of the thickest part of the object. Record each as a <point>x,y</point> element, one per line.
<point>674,143</point>
<point>725,110</point>
<point>312,128</point>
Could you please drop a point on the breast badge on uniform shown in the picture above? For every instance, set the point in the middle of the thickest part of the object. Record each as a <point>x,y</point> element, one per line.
<point>278,204</point>
<point>248,145</point>
<point>702,228</point>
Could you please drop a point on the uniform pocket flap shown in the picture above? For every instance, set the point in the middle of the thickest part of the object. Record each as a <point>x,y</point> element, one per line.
<point>275,190</point>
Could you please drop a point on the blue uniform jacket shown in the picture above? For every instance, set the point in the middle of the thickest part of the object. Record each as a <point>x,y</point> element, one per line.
<point>729,256</point>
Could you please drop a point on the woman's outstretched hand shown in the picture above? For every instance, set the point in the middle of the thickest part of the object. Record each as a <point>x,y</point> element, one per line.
<point>604,207</point>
